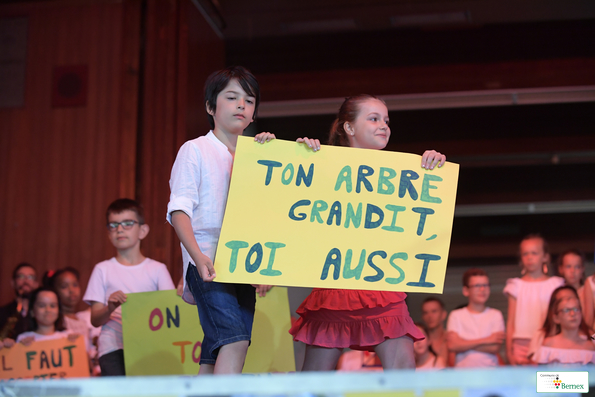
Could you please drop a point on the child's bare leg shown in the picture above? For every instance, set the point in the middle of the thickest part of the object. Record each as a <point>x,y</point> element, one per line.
<point>396,353</point>
<point>231,358</point>
<point>321,358</point>
<point>206,369</point>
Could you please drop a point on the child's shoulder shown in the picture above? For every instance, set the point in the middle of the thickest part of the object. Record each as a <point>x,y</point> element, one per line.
<point>107,263</point>
<point>153,263</point>
<point>209,140</point>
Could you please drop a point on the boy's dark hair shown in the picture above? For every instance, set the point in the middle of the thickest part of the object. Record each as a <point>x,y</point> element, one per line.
<point>56,276</point>
<point>126,204</point>
<point>20,266</point>
<point>59,324</point>
<point>471,273</point>
<point>573,251</point>
<point>218,80</point>
<point>433,299</point>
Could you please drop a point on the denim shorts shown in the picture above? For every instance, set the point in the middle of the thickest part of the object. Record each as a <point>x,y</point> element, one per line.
<point>226,312</point>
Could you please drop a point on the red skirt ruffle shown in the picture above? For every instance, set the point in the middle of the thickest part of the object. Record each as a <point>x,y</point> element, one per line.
<point>356,319</point>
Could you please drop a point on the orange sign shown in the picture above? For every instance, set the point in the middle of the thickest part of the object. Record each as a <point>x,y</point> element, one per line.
<point>51,359</point>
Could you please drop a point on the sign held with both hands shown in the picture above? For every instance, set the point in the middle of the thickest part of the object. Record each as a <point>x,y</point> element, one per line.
<point>338,218</point>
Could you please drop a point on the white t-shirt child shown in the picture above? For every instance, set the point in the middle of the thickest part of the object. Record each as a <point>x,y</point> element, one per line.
<point>473,326</point>
<point>110,276</point>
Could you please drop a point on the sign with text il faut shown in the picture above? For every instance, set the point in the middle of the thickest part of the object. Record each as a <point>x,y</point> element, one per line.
<point>162,335</point>
<point>50,359</point>
<point>337,218</point>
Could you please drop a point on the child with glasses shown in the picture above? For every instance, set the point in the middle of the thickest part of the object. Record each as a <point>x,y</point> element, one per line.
<point>128,272</point>
<point>567,338</point>
<point>475,332</point>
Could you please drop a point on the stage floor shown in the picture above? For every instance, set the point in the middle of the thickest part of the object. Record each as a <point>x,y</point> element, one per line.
<point>502,381</point>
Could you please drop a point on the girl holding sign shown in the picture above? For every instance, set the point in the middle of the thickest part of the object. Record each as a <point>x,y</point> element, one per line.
<point>333,319</point>
<point>46,318</point>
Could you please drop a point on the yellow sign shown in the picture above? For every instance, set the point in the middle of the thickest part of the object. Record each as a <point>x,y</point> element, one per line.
<point>50,359</point>
<point>338,218</point>
<point>162,335</point>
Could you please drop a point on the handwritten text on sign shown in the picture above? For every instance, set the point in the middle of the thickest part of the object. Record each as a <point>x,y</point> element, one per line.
<point>162,335</point>
<point>51,359</point>
<point>338,218</point>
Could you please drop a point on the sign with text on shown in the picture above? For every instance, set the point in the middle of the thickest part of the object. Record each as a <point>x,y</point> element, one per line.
<point>162,334</point>
<point>50,359</point>
<point>338,218</point>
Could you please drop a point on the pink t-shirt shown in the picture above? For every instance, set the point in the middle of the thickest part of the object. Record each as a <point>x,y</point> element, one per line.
<point>532,300</point>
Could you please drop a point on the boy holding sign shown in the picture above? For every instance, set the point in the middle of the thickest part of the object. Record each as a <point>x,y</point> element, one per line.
<point>128,272</point>
<point>199,184</point>
<point>333,319</point>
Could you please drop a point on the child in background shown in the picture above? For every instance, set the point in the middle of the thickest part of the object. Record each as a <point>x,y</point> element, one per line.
<point>433,314</point>
<point>426,358</point>
<point>46,318</point>
<point>199,184</point>
<point>128,272</point>
<point>528,298</point>
<point>571,266</point>
<point>332,319</point>
<point>66,283</point>
<point>476,332</point>
<point>567,336</point>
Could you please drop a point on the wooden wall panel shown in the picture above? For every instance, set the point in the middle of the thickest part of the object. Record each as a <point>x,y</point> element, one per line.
<point>61,167</point>
<point>181,50</point>
<point>158,130</point>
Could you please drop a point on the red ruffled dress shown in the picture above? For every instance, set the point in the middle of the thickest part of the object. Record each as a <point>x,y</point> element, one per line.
<point>360,320</point>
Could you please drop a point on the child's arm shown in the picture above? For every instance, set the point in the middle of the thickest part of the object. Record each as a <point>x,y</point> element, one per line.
<point>510,329</point>
<point>587,304</point>
<point>100,313</point>
<point>183,226</point>
<point>489,344</point>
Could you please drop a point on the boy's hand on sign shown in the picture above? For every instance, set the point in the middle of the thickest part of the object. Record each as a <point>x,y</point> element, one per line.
<point>115,300</point>
<point>264,137</point>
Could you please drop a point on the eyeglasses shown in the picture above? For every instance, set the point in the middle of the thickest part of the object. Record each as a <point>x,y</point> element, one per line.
<point>567,310</point>
<point>480,286</point>
<point>30,277</point>
<point>126,225</point>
